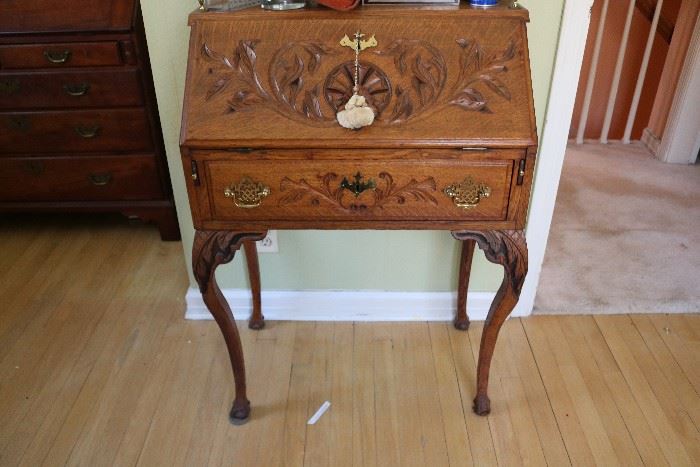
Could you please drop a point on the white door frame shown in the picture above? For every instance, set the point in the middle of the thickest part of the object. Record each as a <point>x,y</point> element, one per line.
<point>567,68</point>
<point>681,140</point>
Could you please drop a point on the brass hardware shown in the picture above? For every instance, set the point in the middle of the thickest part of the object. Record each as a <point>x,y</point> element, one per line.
<point>247,194</point>
<point>76,90</point>
<point>202,5</point>
<point>521,172</point>
<point>358,45</point>
<point>194,172</point>
<point>57,57</point>
<point>468,193</point>
<point>87,132</point>
<point>9,86</point>
<point>356,187</point>
<point>19,122</point>
<point>475,148</point>
<point>100,179</point>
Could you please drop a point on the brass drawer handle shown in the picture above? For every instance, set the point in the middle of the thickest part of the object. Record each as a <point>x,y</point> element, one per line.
<point>76,90</point>
<point>467,193</point>
<point>87,132</point>
<point>57,57</point>
<point>357,186</point>
<point>100,179</point>
<point>247,194</point>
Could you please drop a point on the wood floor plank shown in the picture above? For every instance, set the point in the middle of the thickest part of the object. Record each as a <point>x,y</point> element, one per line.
<point>480,441</point>
<point>341,397</point>
<point>683,340</point>
<point>387,406</point>
<point>519,355</point>
<point>500,425</point>
<point>676,377</point>
<point>114,329</point>
<point>426,386</point>
<point>613,425</point>
<point>558,393</point>
<point>297,409</point>
<point>632,414</point>
<point>112,282</point>
<point>409,424</point>
<point>364,426</point>
<point>664,429</point>
<point>317,448</point>
<point>456,436</point>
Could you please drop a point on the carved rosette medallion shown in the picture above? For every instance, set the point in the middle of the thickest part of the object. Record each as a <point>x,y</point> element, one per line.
<point>373,84</point>
<point>298,89</point>
<point>331,189</point>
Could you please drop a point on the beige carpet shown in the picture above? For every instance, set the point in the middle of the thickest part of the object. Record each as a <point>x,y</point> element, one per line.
<point>625,236</point>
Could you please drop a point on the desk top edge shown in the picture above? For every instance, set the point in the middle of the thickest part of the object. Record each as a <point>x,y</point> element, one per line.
<point>463,10</point>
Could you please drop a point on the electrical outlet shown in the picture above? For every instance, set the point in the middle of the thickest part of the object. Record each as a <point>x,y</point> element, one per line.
<point>269,243</point>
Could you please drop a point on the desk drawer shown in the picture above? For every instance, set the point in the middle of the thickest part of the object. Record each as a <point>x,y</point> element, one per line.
<point>57,89</point>
<point>79,131</point>
<point>107,178</point>
<point>60,55</point>
<point>406,190</point>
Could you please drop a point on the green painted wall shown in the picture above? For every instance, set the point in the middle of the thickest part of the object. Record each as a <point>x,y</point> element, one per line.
<point>351,260</point>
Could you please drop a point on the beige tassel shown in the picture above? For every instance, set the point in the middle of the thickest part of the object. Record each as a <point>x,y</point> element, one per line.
<point>356,114</point>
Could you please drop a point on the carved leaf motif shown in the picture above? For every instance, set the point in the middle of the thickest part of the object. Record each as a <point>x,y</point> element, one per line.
<point>478,67</point>
<point>330,191</point>
<point>242,99</point>
<point>312,105</point>
<point>403,107</point>
<point>470,99</point>
<point>217,87</point>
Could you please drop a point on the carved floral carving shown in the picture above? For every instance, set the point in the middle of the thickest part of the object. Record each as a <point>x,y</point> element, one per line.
<point>296,91</point>
<point>331,190</point>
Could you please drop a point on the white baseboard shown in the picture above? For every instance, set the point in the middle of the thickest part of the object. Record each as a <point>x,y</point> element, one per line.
<point>346,305</point>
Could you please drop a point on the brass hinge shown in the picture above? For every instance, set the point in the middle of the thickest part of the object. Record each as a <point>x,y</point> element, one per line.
<point>521,172</point>
<point>194,173</point>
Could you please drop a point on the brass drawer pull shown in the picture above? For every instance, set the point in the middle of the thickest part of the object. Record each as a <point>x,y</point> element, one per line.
<point>357,186</point>
<point>247,194</point>
<point>467,193</point>
<point>100,179</point>
<point>76,90</point>
<point>57,57</point>
<point>87,132</point>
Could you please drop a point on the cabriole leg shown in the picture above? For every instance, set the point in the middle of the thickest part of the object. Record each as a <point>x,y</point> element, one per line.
<point>508,248</point>
<point>257,320</point>
<point>461,321</point>
<point>211,249</point>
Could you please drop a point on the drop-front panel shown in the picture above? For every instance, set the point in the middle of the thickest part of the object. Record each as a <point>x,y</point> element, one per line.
<point>452,144</point>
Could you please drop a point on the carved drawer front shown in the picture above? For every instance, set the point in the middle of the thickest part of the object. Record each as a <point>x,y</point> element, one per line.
<point>430,190</point>
<point>79,178</point>
<point>80,131</point>
<point>62,55</point>
<point>56,89</point>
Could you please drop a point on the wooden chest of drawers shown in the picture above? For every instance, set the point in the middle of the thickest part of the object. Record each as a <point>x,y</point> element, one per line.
<point>80,129</point>
<point>451,146</point>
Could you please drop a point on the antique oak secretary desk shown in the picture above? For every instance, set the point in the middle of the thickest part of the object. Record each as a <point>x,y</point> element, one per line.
<point>450,143</point>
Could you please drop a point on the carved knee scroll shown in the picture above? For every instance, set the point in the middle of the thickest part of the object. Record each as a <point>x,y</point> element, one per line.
<point>509,249</point>
<point>211,249</point>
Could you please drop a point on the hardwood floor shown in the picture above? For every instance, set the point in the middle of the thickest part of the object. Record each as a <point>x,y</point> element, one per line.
<point>98,367</point>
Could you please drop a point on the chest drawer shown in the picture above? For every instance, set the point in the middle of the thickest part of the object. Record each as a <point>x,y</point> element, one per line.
<point>80,131</point>
<point>57,89</point>
<point>51,15</point>
<point>79,178</point>
<point>358,190</point>
<point>60,55</point>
